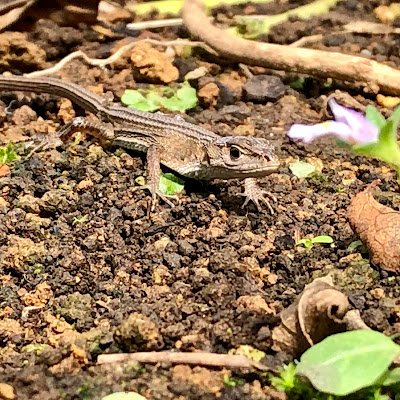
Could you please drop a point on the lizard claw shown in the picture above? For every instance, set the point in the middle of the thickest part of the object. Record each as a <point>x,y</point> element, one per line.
<point>256,194</point>
<point>164,197</point>
<point>156,194</point>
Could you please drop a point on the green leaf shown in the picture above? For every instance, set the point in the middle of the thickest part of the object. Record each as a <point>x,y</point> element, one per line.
<point>354,245</point>
<point>395,117</point>
<point>232,381</point>
<point>386,149</point>
<point>8,154</point>
<point>322,239</point>
<point>388,132</point>
<point>135,99</point>
<point>124,396</point>
<point>298,84</point>
<point>184,99</point>
<point>392,377</point>
<point>346,362</point>
<point>375,117</point>
<point>179,99</point>
<point>307,243</point>
<point>170,184</point>
<point>302,169</point>
<point>251,28</point>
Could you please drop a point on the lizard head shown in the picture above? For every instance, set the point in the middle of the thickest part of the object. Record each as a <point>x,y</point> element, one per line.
<point>241,157</point>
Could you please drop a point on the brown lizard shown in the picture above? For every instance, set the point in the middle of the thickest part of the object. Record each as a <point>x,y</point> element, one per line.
<point>185,148</point>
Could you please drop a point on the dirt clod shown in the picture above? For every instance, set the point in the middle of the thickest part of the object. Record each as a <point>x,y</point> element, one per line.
<point>152,64</point>
<point>138,331</point>
<point>17,52</point>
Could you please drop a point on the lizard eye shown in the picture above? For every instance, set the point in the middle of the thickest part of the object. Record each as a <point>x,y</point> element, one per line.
<point>234,153</point>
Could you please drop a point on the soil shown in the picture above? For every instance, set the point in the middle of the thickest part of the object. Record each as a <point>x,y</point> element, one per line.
<point>87,270</point>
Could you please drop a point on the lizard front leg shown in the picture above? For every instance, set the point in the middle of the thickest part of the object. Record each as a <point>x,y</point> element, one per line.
<point>256,194</point>
<point>153,178</point>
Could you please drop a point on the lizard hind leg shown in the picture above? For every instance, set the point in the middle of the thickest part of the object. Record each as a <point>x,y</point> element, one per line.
<point>102,131</point>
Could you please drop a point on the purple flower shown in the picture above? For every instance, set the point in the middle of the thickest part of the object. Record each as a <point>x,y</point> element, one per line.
<point>349,126</point>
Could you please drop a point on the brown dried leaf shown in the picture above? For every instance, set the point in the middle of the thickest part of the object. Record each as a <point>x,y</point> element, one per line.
<point>378,227</point>
<point>315,314</point>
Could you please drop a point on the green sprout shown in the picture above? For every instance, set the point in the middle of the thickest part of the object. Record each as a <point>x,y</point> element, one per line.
<point>80,220</point>
<point>308,243</point>
<point>232,381</point>
<point>286,379</point>
<point>8,154</point>
<point>354,245</point>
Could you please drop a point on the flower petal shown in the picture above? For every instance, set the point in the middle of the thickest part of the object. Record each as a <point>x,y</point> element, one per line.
<point>308,133</point>
<point>363,130</point>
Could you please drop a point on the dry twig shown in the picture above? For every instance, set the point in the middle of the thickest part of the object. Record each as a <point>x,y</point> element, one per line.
<point>202,358</point>
<point>101,62</point>
<point>374,76</point>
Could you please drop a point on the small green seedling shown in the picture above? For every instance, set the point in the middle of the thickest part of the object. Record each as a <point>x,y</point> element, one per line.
<point>177,99</point>
<point>286,379</point>
<point>232,381</point>
<point>308,243</point>
<point>80,220</point>
<point>8,154</point>
<point>354,245</point>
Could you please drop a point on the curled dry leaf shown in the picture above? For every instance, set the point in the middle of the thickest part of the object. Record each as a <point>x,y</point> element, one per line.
<point>315,314</point>
<point>378,227</point>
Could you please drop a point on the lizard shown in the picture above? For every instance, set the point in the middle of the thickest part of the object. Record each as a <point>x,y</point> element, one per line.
<point>188,149</point>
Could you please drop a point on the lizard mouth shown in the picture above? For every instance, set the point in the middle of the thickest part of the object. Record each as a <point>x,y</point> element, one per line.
<point>271,167</point>
<point>252,172</point>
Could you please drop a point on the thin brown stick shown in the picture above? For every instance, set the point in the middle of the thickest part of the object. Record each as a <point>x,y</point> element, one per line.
<point>202,358</point>
<point>374,76</point>
<point>101,62</point>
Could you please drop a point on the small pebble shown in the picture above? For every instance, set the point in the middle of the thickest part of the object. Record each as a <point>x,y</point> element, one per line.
<point>6,392</point>
<point>263,88</point>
